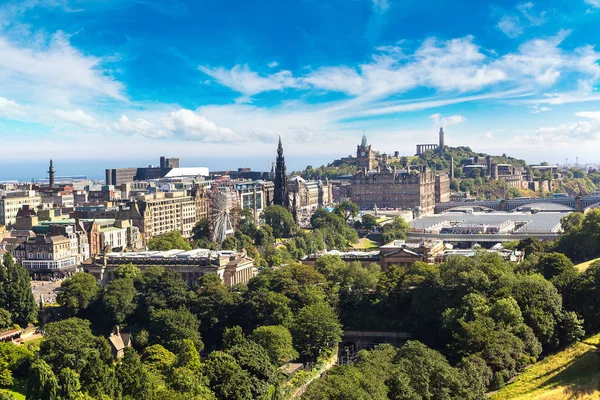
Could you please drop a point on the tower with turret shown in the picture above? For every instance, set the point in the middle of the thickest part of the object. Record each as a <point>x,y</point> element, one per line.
<point>51,174</point>
<point>281,196</point>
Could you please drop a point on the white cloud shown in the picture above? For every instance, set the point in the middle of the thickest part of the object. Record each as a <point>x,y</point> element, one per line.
<point>536,109</point>
<point>138,126</point>
<point>438,120</point>
<point>272,64</point>
<point>54,72</point>
<point>513,24</point>
<point>241,79</point>
<point>380,6</point>
<point>189,125</point>
<point>589,114</point>
<point>10,108</point>
<point>593,3</point>
<point>77,117</point>
<point>510,25</point>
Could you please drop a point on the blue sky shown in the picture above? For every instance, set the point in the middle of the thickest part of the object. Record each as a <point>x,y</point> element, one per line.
<point>215,80</point>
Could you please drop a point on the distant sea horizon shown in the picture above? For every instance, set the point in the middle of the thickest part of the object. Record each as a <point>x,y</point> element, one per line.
<point>28,171</point>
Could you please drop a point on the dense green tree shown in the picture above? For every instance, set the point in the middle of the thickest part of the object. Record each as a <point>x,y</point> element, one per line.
<point>280,220</point>
<point>6,396</point>
<point>157,358</point>
<point>160,288</point>
<point>70,342</point>
<point>226,378</point>
<point>277,341</point>
<point>584,297</point>
<point>169,327</point>
<point>346,209</point>
<point>201,230</point>
<point>254,359</point>
<point>215,306</point>
<point>5,319</point>
<point>369,221</point>
<point>316,329</point>
<point>68,384</point>
<point>169,241</point>
<point>263,307</point>
<point>77,292</point>
<point>42,383</point>
<point>15,292</point>
<point>119,300</point>
<point>98,378</point>
<point>397,229</point>
<point>133,376</point>
<point>127,271</point>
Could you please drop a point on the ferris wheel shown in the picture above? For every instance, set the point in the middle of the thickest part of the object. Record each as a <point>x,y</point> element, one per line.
<point>223,216</point>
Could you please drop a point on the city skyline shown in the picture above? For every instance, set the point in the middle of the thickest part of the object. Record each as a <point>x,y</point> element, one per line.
<point>82,80</point>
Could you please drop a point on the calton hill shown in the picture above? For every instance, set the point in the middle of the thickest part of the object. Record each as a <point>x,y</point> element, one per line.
<point>476,325</point>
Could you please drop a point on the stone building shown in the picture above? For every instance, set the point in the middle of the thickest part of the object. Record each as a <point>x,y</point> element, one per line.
<point>442,188</point>
<point>365,155</point>
<point>232,267</point>
<point>388,188</point>
<point>12,202</point>
<point>310,194</point>
<point>159,213</point>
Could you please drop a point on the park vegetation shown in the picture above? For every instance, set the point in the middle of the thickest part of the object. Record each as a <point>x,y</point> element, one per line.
<point>475,323</point>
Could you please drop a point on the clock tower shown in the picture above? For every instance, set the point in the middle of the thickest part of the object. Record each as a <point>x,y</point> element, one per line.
<point>365,156</point>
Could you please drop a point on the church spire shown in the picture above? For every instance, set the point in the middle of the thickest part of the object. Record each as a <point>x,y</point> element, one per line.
<point>281,196</point>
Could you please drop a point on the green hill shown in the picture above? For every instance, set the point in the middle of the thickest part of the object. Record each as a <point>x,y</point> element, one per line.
<point>573,373</point>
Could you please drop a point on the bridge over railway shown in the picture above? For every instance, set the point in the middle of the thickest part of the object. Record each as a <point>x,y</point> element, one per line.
<point>580,203</point>
<point>482,238</point>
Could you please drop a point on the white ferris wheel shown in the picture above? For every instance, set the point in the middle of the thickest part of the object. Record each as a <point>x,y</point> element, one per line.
<point>223,212</point>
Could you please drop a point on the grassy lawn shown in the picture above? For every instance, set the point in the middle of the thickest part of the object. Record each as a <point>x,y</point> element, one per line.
<point>365,244</point>
<point>584,265</point>
<point>17,390</point>
<point>574,373</point>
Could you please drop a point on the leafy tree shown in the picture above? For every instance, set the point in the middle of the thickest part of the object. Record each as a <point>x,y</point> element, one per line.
<point>160,288</point>
<point>6,396</point>
<point>397,229</point>
<point>118,300</point>
<point>369,221</point>
<point>316,329</point>
<point>253,358</point>
<point>584,297</point>
<point>169,241</point>
<point>15,292</point>
<point>226,378</point>
<point>70,342</point>
<point>77,292</point>
<point>169,327</point>
<point>280,220</point>
<point>215,306</point>
<point>157,358</point>
<point>201,230</point>
<point>5,319</point>
<point>127,271</point>
<point>346,210</point>
<point>277,341</point>
<point>98,378</point>
<point>264,307</point>
<point>68,384</point>
<point>42,383</point>
<point>6,377</point>
<point>133,376</point>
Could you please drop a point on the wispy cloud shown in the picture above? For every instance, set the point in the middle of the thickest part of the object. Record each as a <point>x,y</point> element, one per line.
<point>380,6</point>
<point>438,120</point>
<point>536,109</point>
<point>514,23</point>
<point>593,3</point>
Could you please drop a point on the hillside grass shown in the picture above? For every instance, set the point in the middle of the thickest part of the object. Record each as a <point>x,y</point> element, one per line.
<point>585,265</point>
<point>573,373</point>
